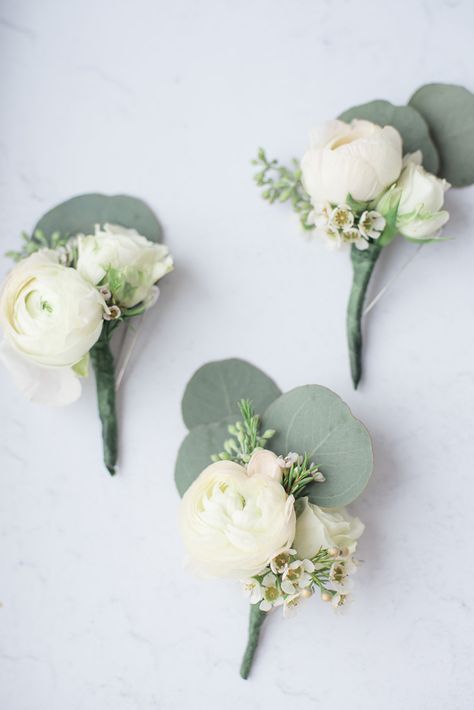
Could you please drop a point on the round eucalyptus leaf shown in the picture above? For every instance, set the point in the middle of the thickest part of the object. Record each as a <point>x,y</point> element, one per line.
<point>314,420</point>
<point>449,112</point>
<point>196,450</point>
<point>213,392</point>
<point>409,123</point>
<point>81,214</point>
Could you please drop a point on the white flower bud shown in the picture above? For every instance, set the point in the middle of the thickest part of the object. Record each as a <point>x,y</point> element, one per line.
<point>421,198</point>
<point>328,528</point>
<point>131,263</point>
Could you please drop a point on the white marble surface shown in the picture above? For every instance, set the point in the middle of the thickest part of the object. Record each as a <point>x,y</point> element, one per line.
<point>168,101</point>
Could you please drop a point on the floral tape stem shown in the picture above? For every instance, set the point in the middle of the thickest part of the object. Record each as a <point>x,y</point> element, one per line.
<point>103,364</point>
<point>256,620</point>
<point>363,263</point>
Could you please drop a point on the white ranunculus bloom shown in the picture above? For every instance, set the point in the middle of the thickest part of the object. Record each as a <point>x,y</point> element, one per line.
<point>422,196</point>
<point>129,263</point>
<point>234,521</point>
<point>325,527</point>
<point>48,312</point>
<point>359,159</point>
<point>51,318</point>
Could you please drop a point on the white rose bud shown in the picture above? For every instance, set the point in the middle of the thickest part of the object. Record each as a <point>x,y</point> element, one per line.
<point>125,261</point>
<point>422,196</point>
<point>325,527</point>
<point>51,317</point>
<point>234,523</point>
<point>359,159</point>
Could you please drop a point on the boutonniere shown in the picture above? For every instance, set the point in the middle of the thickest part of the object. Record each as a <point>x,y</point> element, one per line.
<point>377,171</point>
<point>265,478</point>
<point>90,264</point>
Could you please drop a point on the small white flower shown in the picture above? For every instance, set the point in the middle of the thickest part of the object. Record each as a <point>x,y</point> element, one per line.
<point>338,572</point>
<point>320,215</point>
<point>340,599</point>
<point>105,293</point>
<point>340,575</point>
<point>371,224</point>
<point>271,594</point>
<point>290,604</point>
<point>297,576</point>
<point>353,236</point>
<point>331,236</point>
<point>318,477</point>
<point>253,590</point>
<point>288,460</point>
<point>342,217</point>
<point>112,313</point>
<point>280,562</point>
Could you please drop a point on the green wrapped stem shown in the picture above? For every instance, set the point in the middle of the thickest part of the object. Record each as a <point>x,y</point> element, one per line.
<point>103,364</point>
<point>363,263</point>
<point>256,620</point>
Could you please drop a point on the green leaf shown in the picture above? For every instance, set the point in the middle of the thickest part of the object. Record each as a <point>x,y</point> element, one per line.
<point>389,209</point>
<point>449,111</point>
<point>356,205</point>
<point>411,125</point>
<point>195,452</point>
<point>314,420</point>
<point>80,215</point>
<point>214,391</point>
<point>81,368</point>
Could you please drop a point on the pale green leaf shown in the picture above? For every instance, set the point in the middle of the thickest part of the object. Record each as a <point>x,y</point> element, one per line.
<point>195,452</point>
<point>449,111</point>
<point>215,389</point>
<point>80,214</point>
<point>81,368</point>
<point>314,420</point>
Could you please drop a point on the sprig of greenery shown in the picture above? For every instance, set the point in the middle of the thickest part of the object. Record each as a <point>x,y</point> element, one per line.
<point>246,436</point>
<point>282,184</point>
<point>299,474</point>
<point>323,562</point>
<point>36,241</point>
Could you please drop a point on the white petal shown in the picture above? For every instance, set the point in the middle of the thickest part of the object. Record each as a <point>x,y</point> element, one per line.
<point>416,157</point>
<point>264,463</point>
<point>44,385</point>
<point>345,171</point>
<point>362,244</point>
<point>288,587</point>
<point>424,228</point>
<point>327,132</point>
<point>269,580</point>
